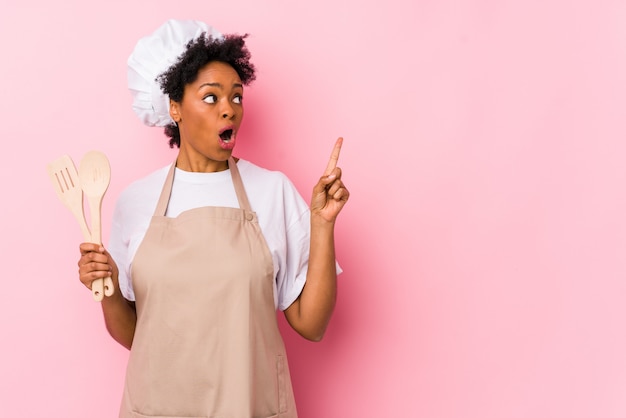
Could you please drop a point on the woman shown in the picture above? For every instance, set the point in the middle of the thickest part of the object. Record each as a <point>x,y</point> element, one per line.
<point>202,252</point>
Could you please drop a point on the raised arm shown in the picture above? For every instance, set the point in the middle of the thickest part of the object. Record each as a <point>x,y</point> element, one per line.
<point>120,316</point>
<point>310,313</point>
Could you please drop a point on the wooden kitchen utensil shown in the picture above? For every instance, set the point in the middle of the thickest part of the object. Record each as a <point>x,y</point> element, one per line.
<point>64,177</point>
<point>95,174</point>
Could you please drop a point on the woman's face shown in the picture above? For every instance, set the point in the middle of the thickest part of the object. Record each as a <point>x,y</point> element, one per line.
<point>208,117</point>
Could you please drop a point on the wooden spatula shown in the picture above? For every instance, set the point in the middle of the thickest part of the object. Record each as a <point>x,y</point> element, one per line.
<point>64,177</point>
<point>95,174</point>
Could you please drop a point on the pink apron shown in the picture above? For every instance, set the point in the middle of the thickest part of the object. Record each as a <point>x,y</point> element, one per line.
<point>207,342</point>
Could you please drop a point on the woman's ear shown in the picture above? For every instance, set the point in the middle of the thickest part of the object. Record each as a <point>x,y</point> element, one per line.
<point>175,111</point>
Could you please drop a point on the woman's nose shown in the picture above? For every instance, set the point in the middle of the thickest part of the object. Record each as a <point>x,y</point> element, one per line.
<point>227,111</point>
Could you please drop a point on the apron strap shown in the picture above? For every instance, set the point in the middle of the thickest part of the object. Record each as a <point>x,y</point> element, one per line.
<point>242,197</point>
<point>164,199</point>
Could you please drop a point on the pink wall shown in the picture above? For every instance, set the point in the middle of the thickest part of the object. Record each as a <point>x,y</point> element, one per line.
<point>484,241</point>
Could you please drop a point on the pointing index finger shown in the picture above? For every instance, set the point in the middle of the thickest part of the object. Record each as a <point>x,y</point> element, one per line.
<point>334,157</point>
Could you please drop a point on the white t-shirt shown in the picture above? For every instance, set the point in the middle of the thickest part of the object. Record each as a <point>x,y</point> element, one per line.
<point>283,216</point>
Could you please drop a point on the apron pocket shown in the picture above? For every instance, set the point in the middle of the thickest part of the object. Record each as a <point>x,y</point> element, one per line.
<point>138,415</point>
<point>281,376</point>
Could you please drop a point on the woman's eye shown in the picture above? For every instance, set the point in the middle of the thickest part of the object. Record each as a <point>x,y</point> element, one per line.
<point>237,99</point>
<point>210,99</point>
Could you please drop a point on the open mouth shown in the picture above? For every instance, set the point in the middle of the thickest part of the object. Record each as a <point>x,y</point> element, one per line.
<point>227,138</point>
<point>226,135</point>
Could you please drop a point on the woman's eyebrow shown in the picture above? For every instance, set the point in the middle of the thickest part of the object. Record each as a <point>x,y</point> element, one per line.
<point>219,85</point>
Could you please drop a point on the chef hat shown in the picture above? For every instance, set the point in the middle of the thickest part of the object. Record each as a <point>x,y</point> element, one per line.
<point>152,56</point>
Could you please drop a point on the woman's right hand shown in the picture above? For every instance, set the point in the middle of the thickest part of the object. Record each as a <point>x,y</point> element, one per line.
<point>119,314</point>
<point>96,263</point>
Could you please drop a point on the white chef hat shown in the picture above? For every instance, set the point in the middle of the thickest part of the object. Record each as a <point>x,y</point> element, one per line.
<point>152,56</point>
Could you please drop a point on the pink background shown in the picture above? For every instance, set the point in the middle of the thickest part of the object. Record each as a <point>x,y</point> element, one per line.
<point>484,242</point>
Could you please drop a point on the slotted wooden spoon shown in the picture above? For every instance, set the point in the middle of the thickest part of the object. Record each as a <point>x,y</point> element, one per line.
<point>95,175</point>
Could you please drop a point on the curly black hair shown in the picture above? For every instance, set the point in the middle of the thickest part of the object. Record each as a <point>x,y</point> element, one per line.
<point>231,49</point>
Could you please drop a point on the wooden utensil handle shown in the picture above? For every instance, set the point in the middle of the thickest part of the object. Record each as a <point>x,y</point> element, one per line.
<point>108,286</point>
<point>80,217</point>
<point>95,207</point>
<point>97,289</point>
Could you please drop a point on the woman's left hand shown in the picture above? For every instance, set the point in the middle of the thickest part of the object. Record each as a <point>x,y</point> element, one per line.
<point>330,194</point>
